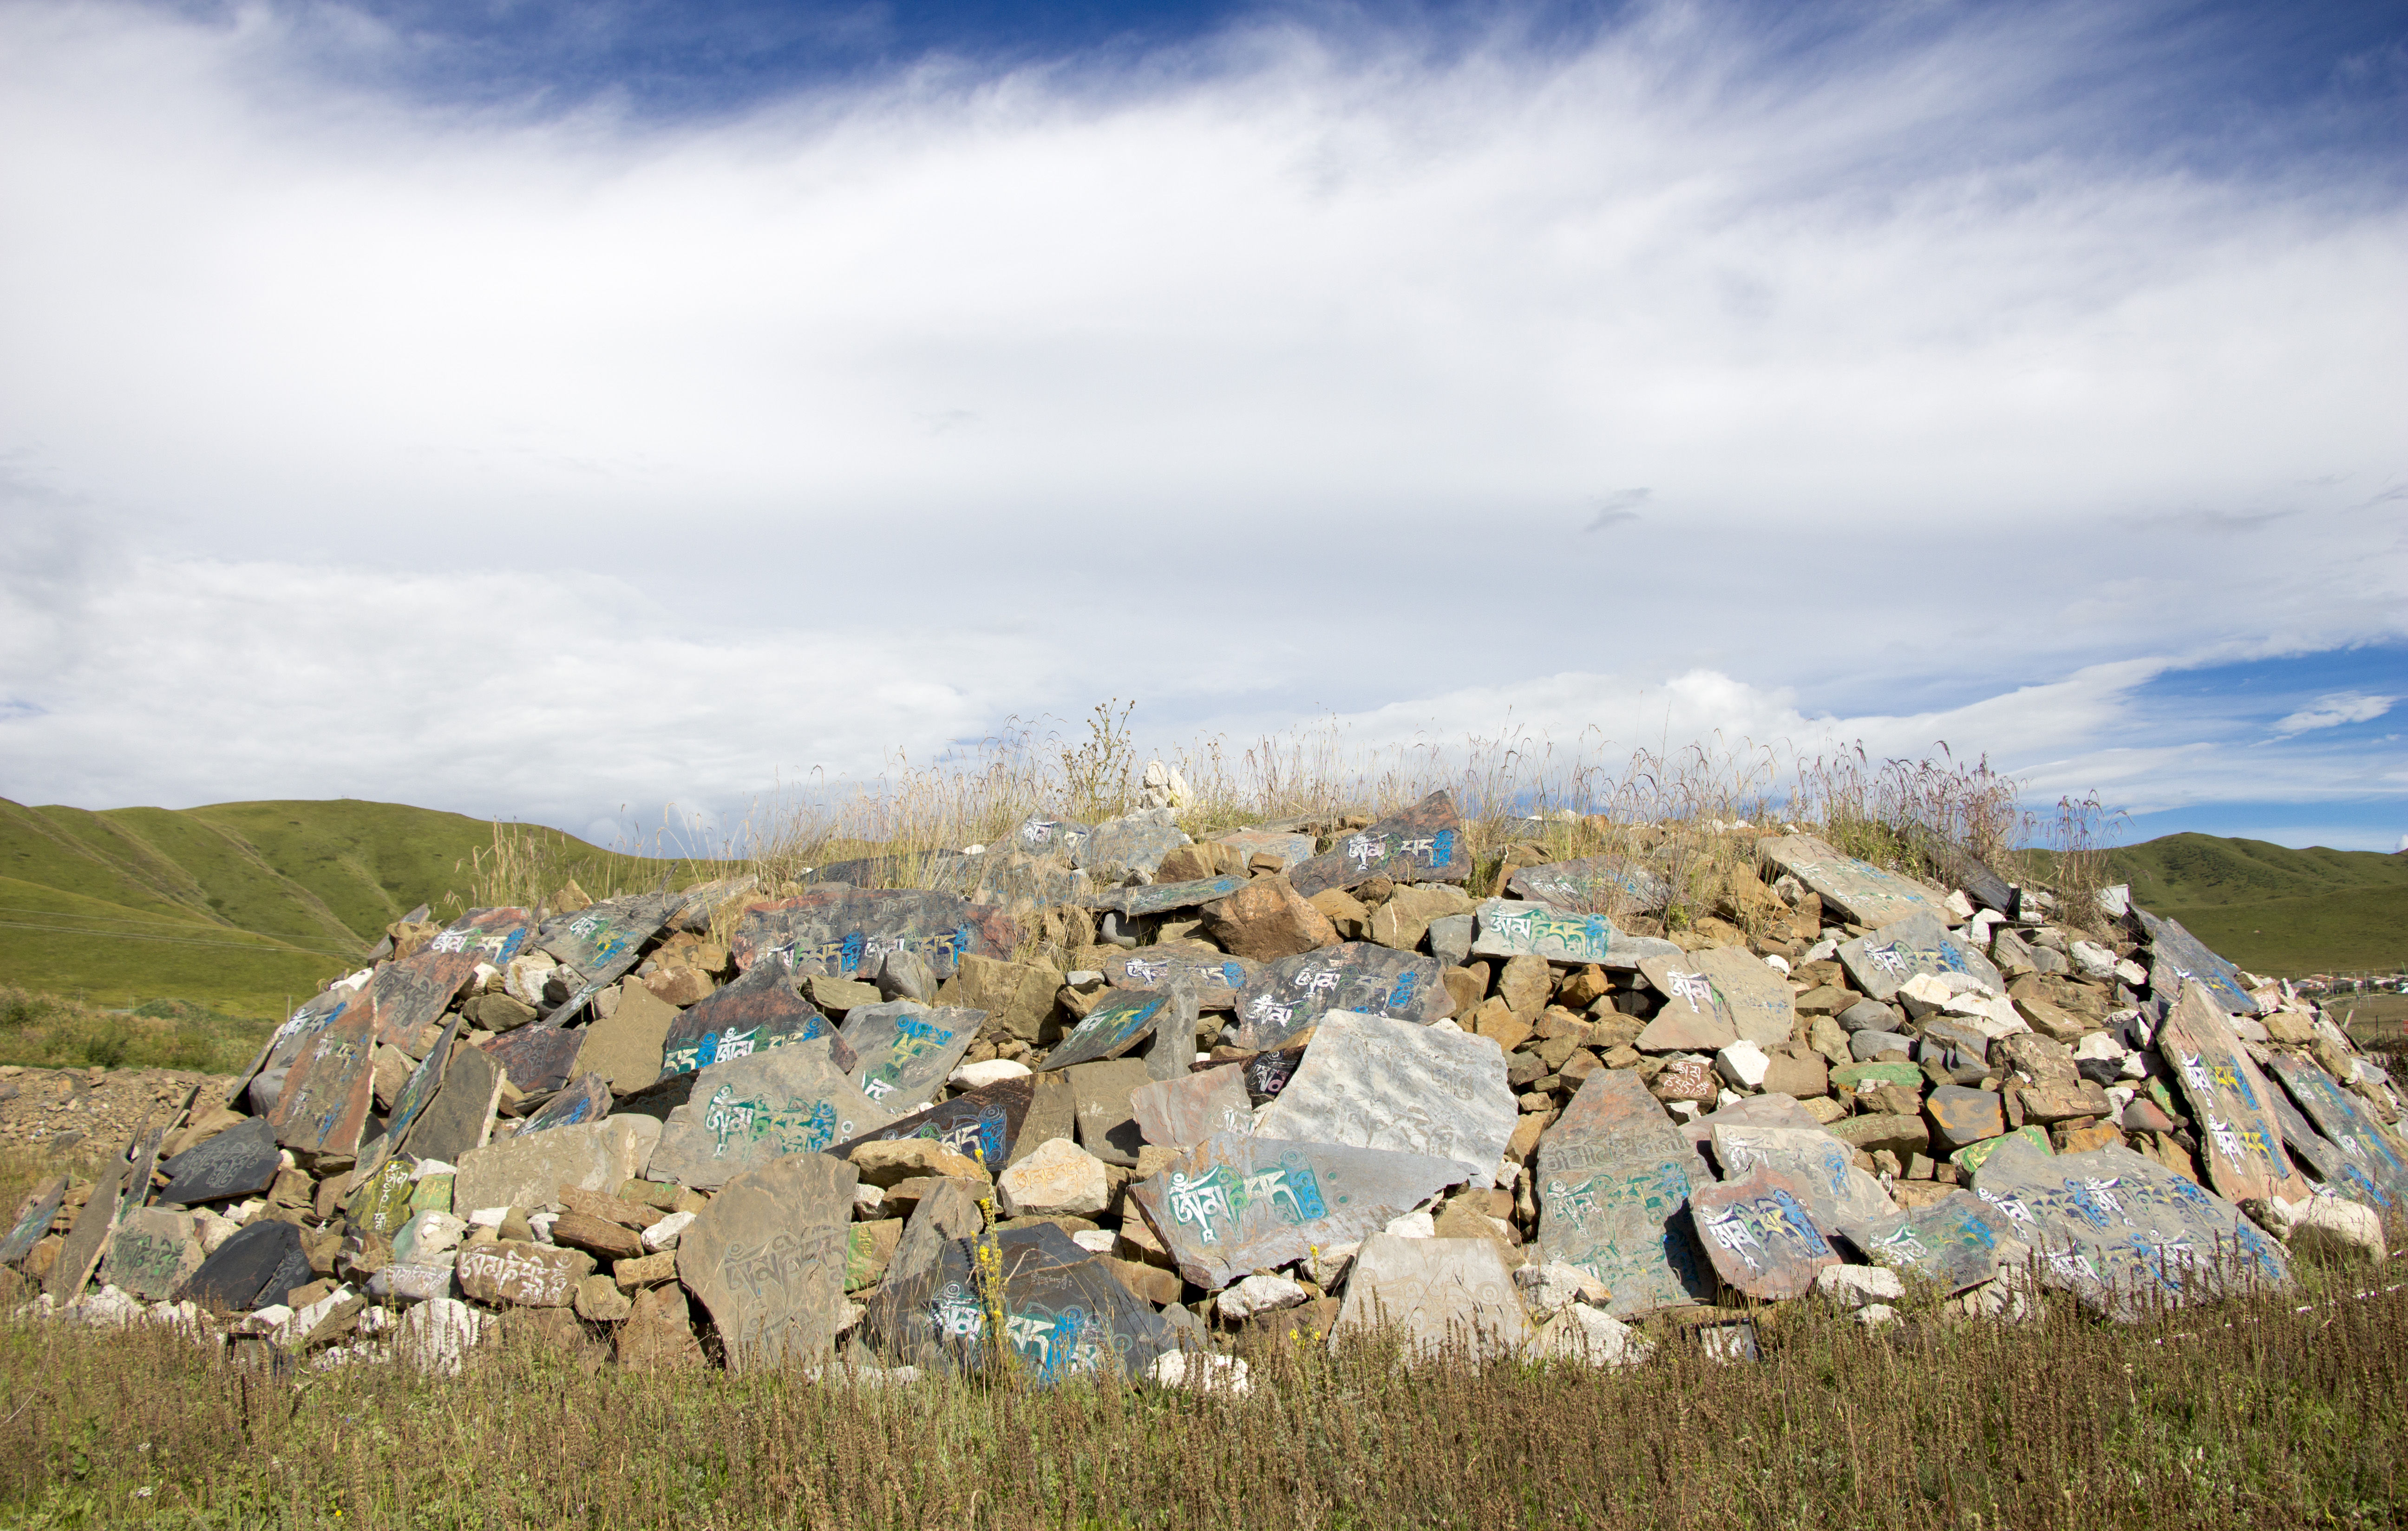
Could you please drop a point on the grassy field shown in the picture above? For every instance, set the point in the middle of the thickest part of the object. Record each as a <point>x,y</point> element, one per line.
<point>238,906</point>
<point>2273,909</point>
<point>44,1031</point>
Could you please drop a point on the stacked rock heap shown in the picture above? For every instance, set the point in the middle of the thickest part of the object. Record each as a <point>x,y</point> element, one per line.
<point>1107,1097</point>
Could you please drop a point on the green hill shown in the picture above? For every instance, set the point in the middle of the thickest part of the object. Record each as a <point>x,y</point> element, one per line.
<point>2273,909</point>
<point>239,904</point>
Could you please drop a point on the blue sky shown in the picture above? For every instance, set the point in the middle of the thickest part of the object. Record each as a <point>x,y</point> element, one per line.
<point>558,412</point>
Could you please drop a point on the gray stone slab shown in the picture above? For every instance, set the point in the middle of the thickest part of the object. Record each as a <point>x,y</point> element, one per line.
<point>2334,1169</point>
<point>535,1058</point>
<point>1607,885</point>
<point>240,1162</point>
<point>1039,836</point>
<point>1294,993</point>
<point>1882,962</point>
<point>460,1118</point>
<point>2240,1140</point>
<point>1423,844</point>
<point>585,1098</point>
<point>1289,847</point>
<point>1448,1298</point>
<point>411,995</point>
<point>1842,1198</point>
<point>1015,881</point>
<point>768,1258</point>
<point>323,1107</point>
<point>903,1051</point>
<point>1134,842</point>
<point>34,1220</point>
<point>2123,1233</point>
<point>2376,1165</point>
<point>748,1111</point>
<point>1955,1242</point>
<point>1235,1204</point>
<point>256,1267</point>
<point>1184,1111</point>
<point>1759,1234</point>
<point>1614,1180</point>
<point>1064,1313</point>
<point>1117,1024</point>
<point>153,1254</point>
<point>1099,1094</point>
<point>2182,957</point>
<point>490,935</point>
<point>1214,977</point>
<point>1162,897</point>
<point>760,1010</point>
<point>1736,988</point>
<point>1505,928</point>
<point>1372,1081</point>
<point>847,931</point>
<point>983,1124</point>
<point>1859,892</point>
<point>603,943</point>
<point>419,1090</point>
<point>528,1172</point>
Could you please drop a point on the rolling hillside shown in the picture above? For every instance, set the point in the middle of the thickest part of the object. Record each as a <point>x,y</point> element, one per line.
<point>2273,909</point>
<point>236,905</point>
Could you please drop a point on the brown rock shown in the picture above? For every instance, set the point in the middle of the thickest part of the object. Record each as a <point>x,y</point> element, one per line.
<point>1525,1141</point>
<point>625,1047</point>
<point>1898,1133</point>
<point>607,1239</point>
<point>1579,991</point>
<point>618,1209</point>
<point>1464,987</point>
<point>1496,1021</point>
<point>645,1270</point>
<point>1797,1072</point>
<point>1524,985</point>
<point>891,1163</point>
<point>524,1274</point>
<point>2290,1029</point>
<point>2049,1021</point>
<point>678,986</point>
<point>1829,999</point>
<point>1346,913</point>
<point>1405,918</point>
<point>2068,1139</point>
<point>1156,1285</point>
<point>1017,997</point>
<point>1194,862</point>
<point>599,1301</point>
<point>1685,1079</point>
<point>658,1335</point>
<point>1266,919</point>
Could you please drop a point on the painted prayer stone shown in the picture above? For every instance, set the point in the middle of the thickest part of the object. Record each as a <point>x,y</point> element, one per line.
<point>1116,1024</point>
<point>1376,1083</point>
<point>1614,1180</point>
<point>760,1010</point>
<point>1859,890</point>
<point>1883,961</point>
<point>1956,1242</point>
<point>903,1051</point>
<point>2373,1164</point>
<point>1607,885</point>
<point>1759,1235</point>
<point>1294,993</point>
<point>847,931</point>
<point>1064,1312</point>
<point>748,1111</point>
<point>490,935</point>
<point>1215,979</point>
<point>1508,929</point>
<point>1423,844</point>
<point>2177,957</point>
<point>983,1124</point>
<point>2239,1139</point>
<point>240,1162</point>
<point>768,1258</point>
<point>324,1104</point>
<point>411,995</point>
<point>1162,897</point>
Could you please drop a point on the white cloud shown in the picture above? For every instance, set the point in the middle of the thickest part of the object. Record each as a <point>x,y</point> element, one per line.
<point>2335,710</point>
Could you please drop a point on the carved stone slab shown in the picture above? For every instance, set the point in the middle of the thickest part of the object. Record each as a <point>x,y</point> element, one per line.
<point>847,931</point>
<point>1860,891</point>
<point>768,1258</point>
<point>1116,1024</point>
<point>1289,847</point>
<point>1955,1242</point>
<point>238,1162</point>
<point>2177,957</point>
<point>490,936</point>
<point>1294,993</point>
<point>1162,897</point>
<point>760,1010</point>
<point>411,995</point>
<point>2373,1163</point>
<point>1050,836</point>
<point>1761,1235</point>
<point>1882,962</point>
<point>585,1098</point>
<point>2240,1138</point>
<point>88,1238</point>
<point>983,1124</point>
<point>1841,1198</point>
<point>1734,987</point>
<point>1064,1312</point>
<point>524,1274</point>
<point>2120,1231</point>
<point>461,1116</point>
<point>1504,928</point>
<point>1267,1073</point>
<point>1234,1203</point>
<point>1452,1298</point>
<point>324,1105</point>
<point>1607,885</point>
<point>420,1089</point>
<point>34,1220</point>
<point>256,1265</point>
<point>1215,979</point>
<point>903,1051</point>
<point>1613,1182</point>
<point>604,942</point>
<point>530,1171</point>
<point>1376,1083</point>
<point>748,1111</point>
<point>153,1254</point>
<point>536,1058</point>
<point>1134,842</point>
<point>1423,844</point>
<point>1184,1111</point>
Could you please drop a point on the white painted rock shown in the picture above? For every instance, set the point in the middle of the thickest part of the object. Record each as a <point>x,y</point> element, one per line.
<point>664,1234</point>
<point>1259,1294</point>
<point>1860,1286</point>
<point>1590,1336</point>
<point>978,1076</point>
<point>1744,1064</point>
<point>1200,1373</point>
<point>436,1334</point>
<point>1059,1178</point>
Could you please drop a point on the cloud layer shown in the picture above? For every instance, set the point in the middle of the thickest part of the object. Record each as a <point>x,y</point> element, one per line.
<point>535,463</point>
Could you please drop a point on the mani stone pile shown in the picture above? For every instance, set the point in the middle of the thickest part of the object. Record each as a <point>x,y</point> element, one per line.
<point>1296,1077</point>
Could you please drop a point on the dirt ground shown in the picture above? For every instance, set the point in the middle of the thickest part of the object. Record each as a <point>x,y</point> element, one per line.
<point>77,1112</point>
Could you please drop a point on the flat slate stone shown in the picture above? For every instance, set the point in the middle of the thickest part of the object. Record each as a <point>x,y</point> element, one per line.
<point>1503,928</point>
<point>768,1258</point>
<point>256,1267</point>
<point>847,931</point>
<point>604,943</point>
<point>153,1254</point>
<point>1063,1311</point>
<point>536,1058</point>
<point>1607,885</point>
<point>419,1090</point>
<point>490,935</point>
<point>1099,1095</point>
<point>1360,977</point>
<point>1423,844</point>
<point>1162,897</point>
<point>2374,1166</point>
<point>324,1105</point>
<point>1720,992</point>
<point>1761,1235</point>
<point>1116,1024</point>
<point>2333,1170</point>
<point>521,1273</point>
<point>1184,1111</point>
<point>87,1239</point>
<point>983,1124</point>
<point>240,1162</point>
<point>1267,1073</point>
<point>2240,1138</point>
<point>1235,1204</point>
<point>1841,1198</point>
<point>1973,1155</point>
<point>1861,893</point>
<point>529,1171</point>
<point>1213,978</point>
<point>903,1049</point>
<point>1289,847</point>
<point>758,1011</point>
<point>1449,1297</point>
<point>2122,1232</point>
<point>2177,957</point>
<point>411,995</point>
<point>382,1204</point>
<point>585,1098</point>
<point>34,1220</point>
<point>1883,961</point>
<point>748,1111</point>
<point>1957,1241</point>
<point>1372,1081</point>
<point>1134,842</point>
<point>460,1118</point>
<point>1051,836</point>
<point>1613,1182</point>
